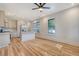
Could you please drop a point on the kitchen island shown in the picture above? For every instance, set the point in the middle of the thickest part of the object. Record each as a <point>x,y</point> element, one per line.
<point>25,36</point>
<point>4,39</point>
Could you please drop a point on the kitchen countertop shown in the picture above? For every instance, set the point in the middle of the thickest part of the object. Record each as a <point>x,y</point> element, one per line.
<point>26,32</point>
<point>4,33</point>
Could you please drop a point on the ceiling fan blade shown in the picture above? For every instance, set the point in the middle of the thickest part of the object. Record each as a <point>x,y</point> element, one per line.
<point>43,4</point>
<point>46,7</point>
<point>34,8</point>
<point>37,4</point>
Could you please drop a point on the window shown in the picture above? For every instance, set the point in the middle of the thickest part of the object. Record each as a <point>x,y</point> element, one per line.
<point>36,26</point>
<point>51,26</point>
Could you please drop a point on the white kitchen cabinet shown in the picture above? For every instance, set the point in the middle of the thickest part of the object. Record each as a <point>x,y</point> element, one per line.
<point>4,39</point>
<point>9,23</point>
<point>26,36</point>
<point>2,15</point>
<point>6,24</point>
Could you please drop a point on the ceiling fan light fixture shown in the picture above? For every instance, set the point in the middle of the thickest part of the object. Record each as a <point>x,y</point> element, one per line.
<point>40,9</point>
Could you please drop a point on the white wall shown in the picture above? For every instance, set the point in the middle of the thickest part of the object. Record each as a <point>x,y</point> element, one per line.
<point>44,25</point>
<point>67,26</point>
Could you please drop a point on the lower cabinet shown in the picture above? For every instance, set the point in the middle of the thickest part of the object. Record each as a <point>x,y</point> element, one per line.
<point>27,36</point>
<point>4,39</point>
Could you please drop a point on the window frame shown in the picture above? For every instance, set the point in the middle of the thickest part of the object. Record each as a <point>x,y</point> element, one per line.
<point>52,26</point>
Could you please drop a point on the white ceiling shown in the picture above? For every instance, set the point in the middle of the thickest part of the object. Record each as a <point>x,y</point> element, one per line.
<point>24,10</point>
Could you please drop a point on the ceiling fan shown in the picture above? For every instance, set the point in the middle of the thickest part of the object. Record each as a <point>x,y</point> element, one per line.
<point>40,6</point>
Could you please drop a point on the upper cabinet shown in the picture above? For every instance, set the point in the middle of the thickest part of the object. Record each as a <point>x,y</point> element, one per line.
<point>2,16</point>
<point>10,23</point>
<point>6,21</point>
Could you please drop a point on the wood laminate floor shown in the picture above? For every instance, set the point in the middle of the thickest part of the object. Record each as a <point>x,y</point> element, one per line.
<point>38,47</point>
